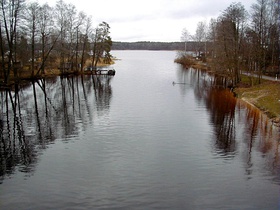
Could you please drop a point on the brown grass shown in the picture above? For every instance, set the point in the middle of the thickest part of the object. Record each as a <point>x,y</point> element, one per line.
<point>25,73</point>
<point>185,60</point>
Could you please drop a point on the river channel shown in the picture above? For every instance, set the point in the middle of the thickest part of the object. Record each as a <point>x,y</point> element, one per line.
<point>154,136</point>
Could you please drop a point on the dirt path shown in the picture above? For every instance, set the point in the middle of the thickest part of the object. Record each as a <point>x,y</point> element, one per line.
<point>276,78</point>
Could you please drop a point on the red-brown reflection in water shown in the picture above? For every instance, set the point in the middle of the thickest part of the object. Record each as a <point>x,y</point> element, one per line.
<point>237,125</point>
<point>221,105</point>
<point>259,133</point>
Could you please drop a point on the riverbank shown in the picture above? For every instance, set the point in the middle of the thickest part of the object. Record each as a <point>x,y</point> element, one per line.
<point>24,75</point>
<point>264,96</point>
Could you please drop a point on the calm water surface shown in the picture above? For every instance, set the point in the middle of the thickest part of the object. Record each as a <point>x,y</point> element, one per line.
<point>136,141</point>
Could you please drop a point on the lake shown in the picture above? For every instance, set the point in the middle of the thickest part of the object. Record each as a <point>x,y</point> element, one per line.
<point>154,136</point>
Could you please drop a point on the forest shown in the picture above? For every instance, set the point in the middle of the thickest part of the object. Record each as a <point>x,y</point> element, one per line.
<point>38,39</point>
<point>240,40</point>
<point>151,46</point>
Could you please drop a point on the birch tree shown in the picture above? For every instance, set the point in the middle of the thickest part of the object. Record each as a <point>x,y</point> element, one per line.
<point>185,37</point>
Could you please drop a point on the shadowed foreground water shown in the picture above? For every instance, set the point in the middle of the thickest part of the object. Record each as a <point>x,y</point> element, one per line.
<point>136,141</point>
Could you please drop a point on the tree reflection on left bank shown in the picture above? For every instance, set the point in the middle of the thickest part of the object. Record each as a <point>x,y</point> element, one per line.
<point>35,115</point>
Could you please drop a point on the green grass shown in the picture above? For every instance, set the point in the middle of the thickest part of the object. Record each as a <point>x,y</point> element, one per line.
<point>248,81</point>
<point>265,96</point>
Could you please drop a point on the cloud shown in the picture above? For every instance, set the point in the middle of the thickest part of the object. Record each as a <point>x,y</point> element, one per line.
<point>151,20</point>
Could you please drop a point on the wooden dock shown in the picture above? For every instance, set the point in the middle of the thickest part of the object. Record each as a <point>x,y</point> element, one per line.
<point>100,71</point>
<point>109,72</point>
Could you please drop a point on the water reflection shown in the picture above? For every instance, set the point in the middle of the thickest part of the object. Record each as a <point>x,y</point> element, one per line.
<point>260,137</point>
<point>220,103</point>
<point>237,126</point>
<point>34,115</point>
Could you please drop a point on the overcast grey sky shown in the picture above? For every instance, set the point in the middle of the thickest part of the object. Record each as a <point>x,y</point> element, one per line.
<point>151,20</point>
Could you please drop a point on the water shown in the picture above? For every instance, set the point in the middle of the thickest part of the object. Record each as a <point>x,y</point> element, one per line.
<point>136,141</point>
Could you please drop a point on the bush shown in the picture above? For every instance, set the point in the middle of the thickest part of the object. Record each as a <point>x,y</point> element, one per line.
<point>185,60</point>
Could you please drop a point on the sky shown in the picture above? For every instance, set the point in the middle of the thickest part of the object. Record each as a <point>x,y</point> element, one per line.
<point>151,20</point>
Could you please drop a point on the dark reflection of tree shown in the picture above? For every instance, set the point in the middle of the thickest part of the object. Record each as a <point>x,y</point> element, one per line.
<point>260,135</point>
<point>103,91</point>
<point>34,115</point>
<point>220,102</point>
<point>16,148</point>
<point>221,106</point>
<point>225,112</point>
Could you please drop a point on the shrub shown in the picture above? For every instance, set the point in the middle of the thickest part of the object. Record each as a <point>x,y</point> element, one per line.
<point>185,60</point>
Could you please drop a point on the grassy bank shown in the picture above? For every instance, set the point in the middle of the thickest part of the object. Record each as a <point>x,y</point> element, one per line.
<point>265,96</point>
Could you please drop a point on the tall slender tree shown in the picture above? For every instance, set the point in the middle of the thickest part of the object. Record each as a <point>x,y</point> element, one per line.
<point>11,11</point>
<point>46,29</point>
<point>185,37</point>
<point>32,17</point>
<point>85,41</point>
<point>62,24</point>
<point>200,37</point>
<point>259,25</point>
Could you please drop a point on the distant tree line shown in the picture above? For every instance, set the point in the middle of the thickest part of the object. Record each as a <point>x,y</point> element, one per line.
<point>191,45</point>
<point>241,41</point>
<point>36,37</point>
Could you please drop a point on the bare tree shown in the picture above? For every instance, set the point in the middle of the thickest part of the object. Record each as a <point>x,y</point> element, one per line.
<point>46,29</point>
<point>200,37</point>
<point>185,37</point>
<point>259,25</point>
<point>62,23</point>
<point>273,47</point>
<point>230,39</point>
<point>72,29</point>
<point>78,28</point>
<point>32,17</point>
<point>212,38</point>
<point>102,43</point>
<point>85,41</point>
<point>11,11</point>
